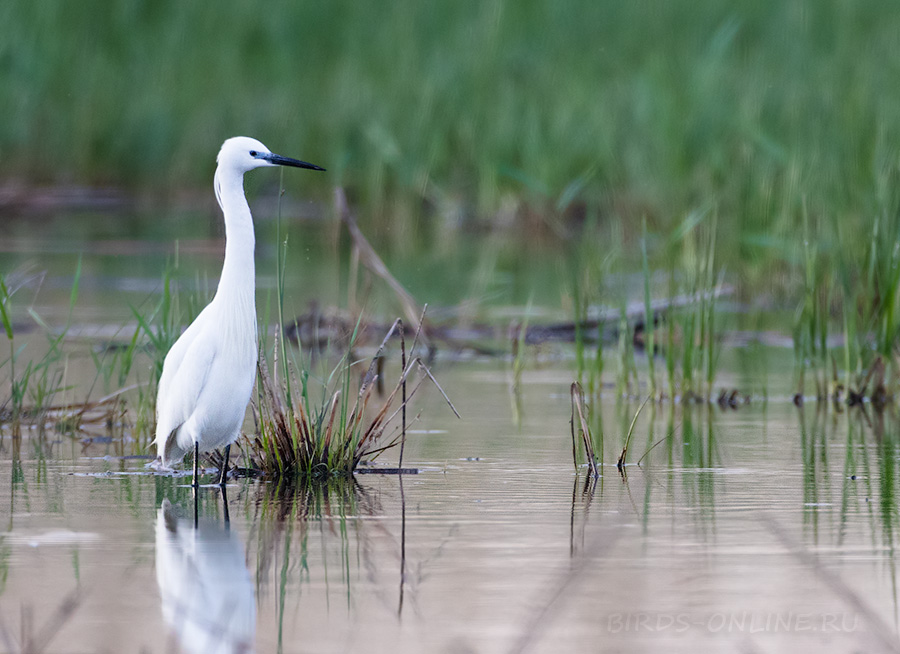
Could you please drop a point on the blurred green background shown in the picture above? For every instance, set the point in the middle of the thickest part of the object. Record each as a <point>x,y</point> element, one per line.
<point>539,158</point>
<point>472,109</point>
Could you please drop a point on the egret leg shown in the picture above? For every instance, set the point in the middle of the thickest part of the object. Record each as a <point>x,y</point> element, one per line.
<point>196,483</point>
<point>225,504</point>
<point>224,472</point>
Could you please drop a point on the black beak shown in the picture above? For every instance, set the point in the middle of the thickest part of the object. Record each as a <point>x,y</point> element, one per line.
<point>286,161</point>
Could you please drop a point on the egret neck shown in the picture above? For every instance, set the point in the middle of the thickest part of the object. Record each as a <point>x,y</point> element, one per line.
<point>236,294</point>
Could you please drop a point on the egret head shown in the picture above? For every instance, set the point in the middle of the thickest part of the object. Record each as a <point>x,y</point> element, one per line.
<point>243,153</point>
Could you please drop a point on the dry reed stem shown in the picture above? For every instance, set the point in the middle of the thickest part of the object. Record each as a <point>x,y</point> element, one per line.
<point>578,406</point>
<point>372,261</point>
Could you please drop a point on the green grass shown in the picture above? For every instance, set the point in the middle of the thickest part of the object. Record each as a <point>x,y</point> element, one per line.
<point>37,387</point>
<point>846,324</point>
<point>668,137</point>
<point>34,383</point>
<point>619,109</point>
<point>649,317</point>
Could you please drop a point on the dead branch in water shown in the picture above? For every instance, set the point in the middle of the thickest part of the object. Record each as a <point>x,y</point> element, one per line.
<point>375,264</point>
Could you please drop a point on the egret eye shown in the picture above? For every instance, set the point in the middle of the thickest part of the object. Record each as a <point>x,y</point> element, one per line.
<point>253,153</point>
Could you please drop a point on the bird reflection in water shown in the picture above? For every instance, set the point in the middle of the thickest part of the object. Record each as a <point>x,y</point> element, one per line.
<point>207,596</point>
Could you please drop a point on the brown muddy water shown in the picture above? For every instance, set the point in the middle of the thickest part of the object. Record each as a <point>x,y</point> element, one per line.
<point>763,529</point>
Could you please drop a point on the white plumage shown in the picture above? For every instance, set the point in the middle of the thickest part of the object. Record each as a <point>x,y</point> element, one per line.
<point>209,372</point>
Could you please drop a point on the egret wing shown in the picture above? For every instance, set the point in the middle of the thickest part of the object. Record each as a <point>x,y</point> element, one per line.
<point>184,382</point>
<point>174,358</point>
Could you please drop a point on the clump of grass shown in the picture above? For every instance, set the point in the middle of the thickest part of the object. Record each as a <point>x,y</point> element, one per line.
<point>847,325</point>
<point>296,437</point>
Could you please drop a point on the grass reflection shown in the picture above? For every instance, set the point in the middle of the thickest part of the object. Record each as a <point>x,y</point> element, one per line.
<point>300,524</point>
<point>870,446</point>
<point>676,467</point>
<point>870,440</point>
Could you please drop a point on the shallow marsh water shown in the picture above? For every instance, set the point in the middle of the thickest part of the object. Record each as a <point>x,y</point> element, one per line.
<point>768,528</point>
<point>762,529</point>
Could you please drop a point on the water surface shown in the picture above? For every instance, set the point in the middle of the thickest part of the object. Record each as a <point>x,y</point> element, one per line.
<point>768,528</point>
<point>765,529</point>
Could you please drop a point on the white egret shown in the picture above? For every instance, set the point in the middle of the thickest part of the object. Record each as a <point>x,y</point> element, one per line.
<point>209,372</point>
